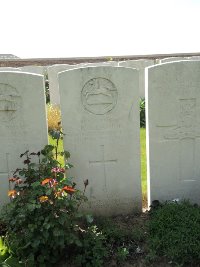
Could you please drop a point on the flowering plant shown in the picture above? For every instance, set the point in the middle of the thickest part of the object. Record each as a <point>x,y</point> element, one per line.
<point>43,217</point>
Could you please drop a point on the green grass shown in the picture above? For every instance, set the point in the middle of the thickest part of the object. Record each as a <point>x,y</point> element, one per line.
<point>143,160</point>
<point>60,149</point>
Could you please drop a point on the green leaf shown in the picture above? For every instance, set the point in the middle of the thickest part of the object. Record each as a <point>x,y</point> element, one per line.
<point>35,184</point>
<point>56,232</point>
<point>35,243</point>
<point>69,166</point>
<point>13,262</point>
<point>89,218</point>
<point>31,207</point>
<point>67,154</point>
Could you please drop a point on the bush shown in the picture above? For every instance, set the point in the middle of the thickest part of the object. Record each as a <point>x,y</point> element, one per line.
<point>142,113</point>
<point>54,118</point>
<point>93,251</point>
<point>43,220</point>
<point>174,232</point>
<point>47,93</point>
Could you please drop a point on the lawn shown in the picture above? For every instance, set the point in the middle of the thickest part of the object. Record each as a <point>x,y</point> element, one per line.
<point>60,148</point>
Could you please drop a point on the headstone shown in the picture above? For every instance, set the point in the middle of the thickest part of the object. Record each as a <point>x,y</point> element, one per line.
<point>23,123</point>
<point>100,119</point>
<point>140,64</point>
<point>9,69</point>
<point>173,127</point>
<point>8,56</point>
<point>107,63</point>
<point>53,76</point>
<point>172,59</point>
<point>30,69</point>
<point>34,69</point>
<point>53,80</point>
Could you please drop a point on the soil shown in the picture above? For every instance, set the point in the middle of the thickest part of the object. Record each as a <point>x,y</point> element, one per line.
<point>137,258</point>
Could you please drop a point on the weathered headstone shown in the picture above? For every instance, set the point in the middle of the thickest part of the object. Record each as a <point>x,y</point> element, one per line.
<point>22,122</point>
<point>9,69</point>
<point>34,69</point>
<point>174,131</point>
<point>140,64</point>
<point>30,69</point>
<point>172,59</point>
<point>53,76</point>
<point>100,117</point>
<point>53,80</point>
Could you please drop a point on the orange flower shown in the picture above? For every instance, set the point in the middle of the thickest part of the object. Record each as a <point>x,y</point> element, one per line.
<point>12,193</point>
<point>46,181</point>
<point>12,179</point>
<point>54,182</point>
<point>58,193</point>
<point>69,189</point>
<point>19,181</point>
<point>43,199</point>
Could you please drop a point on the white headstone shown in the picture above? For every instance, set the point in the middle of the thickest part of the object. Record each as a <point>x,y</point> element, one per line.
<point>9,69</point>
<point>172,59</point>
<point>23,124</point>
<point>34,69</point>
<point>53,76</point>
<point>53,80</point>
<point>30,69</point>
<point>140,64</point>
<point>100,117</point>
<point>173,126</point>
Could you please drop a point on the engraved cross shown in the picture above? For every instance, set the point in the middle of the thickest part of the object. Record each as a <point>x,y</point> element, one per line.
<point>186,132</point>
<point>104,162</point>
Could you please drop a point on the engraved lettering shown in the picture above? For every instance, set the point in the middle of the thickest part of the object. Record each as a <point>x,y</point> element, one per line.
<point>9,102</point>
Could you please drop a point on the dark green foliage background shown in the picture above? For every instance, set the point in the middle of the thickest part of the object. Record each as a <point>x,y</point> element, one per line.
<point>174,232</point>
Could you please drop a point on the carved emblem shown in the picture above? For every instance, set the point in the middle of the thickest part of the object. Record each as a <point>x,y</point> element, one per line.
<point>186,125</point>
<point>9,102</point>
<point>99,96</point>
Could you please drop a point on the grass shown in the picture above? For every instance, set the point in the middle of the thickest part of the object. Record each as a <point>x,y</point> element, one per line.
<point>60,149</point>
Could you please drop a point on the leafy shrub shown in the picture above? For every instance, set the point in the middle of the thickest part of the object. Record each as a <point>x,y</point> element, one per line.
<point>121,254</point>
<point>174,232</point>
<point>47,93</point>
<point>93,251</point>
<point>4,254</point>
<point>43,218</point>
<point>142,113</point>
<point>54,118</point>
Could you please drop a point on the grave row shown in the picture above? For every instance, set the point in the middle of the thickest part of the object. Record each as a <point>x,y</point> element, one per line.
<point>100,119</point>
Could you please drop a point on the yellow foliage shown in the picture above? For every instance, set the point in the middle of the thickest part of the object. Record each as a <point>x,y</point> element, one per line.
<point>54,117</point>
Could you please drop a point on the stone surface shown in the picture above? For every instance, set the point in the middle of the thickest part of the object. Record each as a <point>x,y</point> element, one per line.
<point>174,131</point>
<point>100,117</point>
<point>31,69</point>
<point>140,65</point>
<point>53,76</point>
<point>172,59</point>
<point>9,69</point>
<point>7,56</point>
<point>53,80</point>
<point>34,69</point>
<point>22,122</point>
